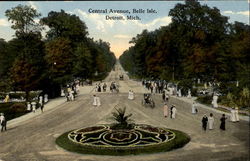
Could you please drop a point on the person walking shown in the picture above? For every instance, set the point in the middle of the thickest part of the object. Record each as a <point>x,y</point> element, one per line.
<point>193,108</point>
<point>233,115</point>
<point>98,101</point>
<point>174,111</point>
<point>210,122</point>
<point>3,122</point>
<point>94,100</point>
<point>204,122</point>
<point>171,111</point>
<point>165,110</point>
<point>163,97</point>
<point>237,114</point>
<point>223,122</point>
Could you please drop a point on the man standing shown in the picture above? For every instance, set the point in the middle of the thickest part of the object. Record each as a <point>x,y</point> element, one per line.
<point>204,122</point>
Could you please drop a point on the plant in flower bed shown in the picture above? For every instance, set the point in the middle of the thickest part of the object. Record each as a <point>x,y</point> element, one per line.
<point>122,121</point>
<point>122,138</point>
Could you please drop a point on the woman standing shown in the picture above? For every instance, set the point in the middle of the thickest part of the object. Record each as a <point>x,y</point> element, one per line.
<point>210,122</point>
<point>165,110</point>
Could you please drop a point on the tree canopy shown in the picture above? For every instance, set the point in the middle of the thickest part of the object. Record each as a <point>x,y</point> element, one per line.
<point>198,43</point>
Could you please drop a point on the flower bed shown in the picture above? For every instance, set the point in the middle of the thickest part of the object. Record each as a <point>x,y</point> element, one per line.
<point>103,140</point>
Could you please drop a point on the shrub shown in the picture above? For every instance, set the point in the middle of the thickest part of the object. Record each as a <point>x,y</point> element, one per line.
<point>18,107</point>
<point>244,99</point>
<point>205,99</point>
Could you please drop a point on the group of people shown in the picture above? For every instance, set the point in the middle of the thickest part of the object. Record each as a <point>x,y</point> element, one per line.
<point>210,122</point>
<point>71,91</point>
<point>173,111</point>
<point>163,87</point>
<point>3,122</point>
<point>114,87</point>
<point>155,86</point>
<point>100,87</point>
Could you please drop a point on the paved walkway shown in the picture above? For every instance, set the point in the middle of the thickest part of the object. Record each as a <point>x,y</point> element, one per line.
<point>52,104</point>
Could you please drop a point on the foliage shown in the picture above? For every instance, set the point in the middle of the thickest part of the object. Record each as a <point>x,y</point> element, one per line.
<point>23,19</point>
<point>83,67</point>
<point>198,43</point>
<point>122,121</point>
<point>64,25</point>
<point>8,113</point>
<point>18,107</point>
<point>205,99</point>
<point>244,100</point>
<point>59,56</point>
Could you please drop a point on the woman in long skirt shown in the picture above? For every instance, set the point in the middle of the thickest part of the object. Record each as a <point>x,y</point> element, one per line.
<point>210,122</point>
<point>165,110</point>
<point>223,122</point>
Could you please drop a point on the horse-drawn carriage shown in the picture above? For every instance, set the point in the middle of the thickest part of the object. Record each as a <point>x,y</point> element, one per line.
<point>148,100</point>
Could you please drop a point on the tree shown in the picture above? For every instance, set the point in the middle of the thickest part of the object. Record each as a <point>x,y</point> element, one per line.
<point>83,65</point>
<point>23,19</point>
<point>59,57</point>
<point>25,76</point>
<point>64,25</point>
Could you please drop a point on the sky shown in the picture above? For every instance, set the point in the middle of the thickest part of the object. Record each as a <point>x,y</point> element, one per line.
<point>119,32</point>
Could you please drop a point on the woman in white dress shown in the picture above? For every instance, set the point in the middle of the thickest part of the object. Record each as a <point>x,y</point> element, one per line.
<point>210,122</point>
<point>98,101</point>
<point>94,100</point>
<point>174,111</point>
<point>237,114</point>
<point>232,116</point>
<point>193,108</point>
<point>129,94</point>
<point>165,110</point>
<point>132,95</point>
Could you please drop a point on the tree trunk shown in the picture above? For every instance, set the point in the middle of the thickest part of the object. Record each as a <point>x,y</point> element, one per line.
<point>27,96</point>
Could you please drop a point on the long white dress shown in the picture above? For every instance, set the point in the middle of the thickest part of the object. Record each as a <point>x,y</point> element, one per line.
<point>232,116</point>
<point>237,115</point>
<point>165,110</point>
<point>28,106</point>
<point>174,110</point>
<point>130,95</point>
<point>98,102</point>
<point>1,120</point>
<point>95,101</point>
<point>193,109</point>
<point>210,123</point>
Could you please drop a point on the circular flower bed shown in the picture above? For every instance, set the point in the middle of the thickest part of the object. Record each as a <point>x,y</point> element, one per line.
<point>102,139</point>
